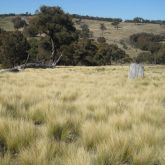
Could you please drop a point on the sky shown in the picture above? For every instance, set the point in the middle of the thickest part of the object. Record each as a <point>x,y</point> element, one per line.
<point>125,9</point>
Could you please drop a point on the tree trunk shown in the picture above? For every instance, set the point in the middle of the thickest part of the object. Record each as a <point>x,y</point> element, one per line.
<point>32,65</point>
<point>27,59</point>
<point>57,61</point>
<point>53,50</point>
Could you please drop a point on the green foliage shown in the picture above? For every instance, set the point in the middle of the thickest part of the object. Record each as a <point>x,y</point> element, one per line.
<point>102,28</point>
<point>101,40</point>
<point>51,32</point>
<point>31,30</point>
<point>85,33</point>
<point>68,55</point>
<point>91,53</point>
<point>104,55</point>
<point>58,26</point>
<point>96,18</point>
<point>138,20</point>
<point>18,22</point>
<point>44,50</point>
<point>85,52</point>
<point>145,41</point>
<point>160,56</point>
<point>146,57</point>
<point>151,43</point>
<point>13,48</point>
<point>116,24</point>
<point>33,51</point>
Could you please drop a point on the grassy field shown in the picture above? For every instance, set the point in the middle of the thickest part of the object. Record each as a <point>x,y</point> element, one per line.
<point>82,116</point>
<point>6,23</point>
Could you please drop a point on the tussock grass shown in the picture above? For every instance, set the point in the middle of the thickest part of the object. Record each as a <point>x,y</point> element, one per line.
<point>82,116</point>
<point>67,132</point>
<point>15,135</point>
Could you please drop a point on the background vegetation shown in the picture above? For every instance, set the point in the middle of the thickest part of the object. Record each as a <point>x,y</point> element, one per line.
<point>96,41</point>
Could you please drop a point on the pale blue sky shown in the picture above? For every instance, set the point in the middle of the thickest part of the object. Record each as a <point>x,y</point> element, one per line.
<point>126,9</point>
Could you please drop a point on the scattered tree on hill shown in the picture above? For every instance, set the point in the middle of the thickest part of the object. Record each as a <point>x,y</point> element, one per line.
<point>101,40</point>
<point>13,48</point>
<point>102,28</point>
<point>58,26</point>
<point>31,30</point>
<point>116,24</point>
<point>138,20</point>
<point>19,22</point>
<point>78,21</point>
<point>85,33</point>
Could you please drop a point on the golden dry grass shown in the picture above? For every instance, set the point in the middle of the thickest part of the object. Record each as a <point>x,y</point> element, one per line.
<point>82,116</point>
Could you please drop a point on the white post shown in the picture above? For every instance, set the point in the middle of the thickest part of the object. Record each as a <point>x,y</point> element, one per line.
<point>136,71</point>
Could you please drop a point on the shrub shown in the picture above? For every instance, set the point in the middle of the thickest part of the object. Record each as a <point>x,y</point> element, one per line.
<point>18,22</point>
<point>101,40</point>
<point>13,48</point>
<point>145,57</point>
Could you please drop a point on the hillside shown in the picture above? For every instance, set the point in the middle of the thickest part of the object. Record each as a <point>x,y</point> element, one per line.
<point>6,23</point>
<point>121,36</point>
<point>113,36</point>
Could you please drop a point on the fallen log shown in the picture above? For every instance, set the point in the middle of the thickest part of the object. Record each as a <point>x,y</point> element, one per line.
<point>28,65</point>
<point>32,65</point>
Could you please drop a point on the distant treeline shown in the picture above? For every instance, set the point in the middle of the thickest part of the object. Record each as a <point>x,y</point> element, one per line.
<point>13,14</point>
<point>97,18</point>
<point>141,20</point>
<point>134,20</point>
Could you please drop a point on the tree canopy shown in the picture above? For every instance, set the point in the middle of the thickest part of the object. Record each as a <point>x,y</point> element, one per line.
<point>19,22</point>
<point>57,25</point>
<point>50,35</point>
<point>102,28</point>
<point>13,48</point>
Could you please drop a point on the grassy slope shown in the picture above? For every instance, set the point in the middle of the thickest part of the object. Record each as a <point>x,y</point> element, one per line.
<point>6,23</point>
<point>82,116</point>
<point>114,36</point>
<point>111,34</point>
